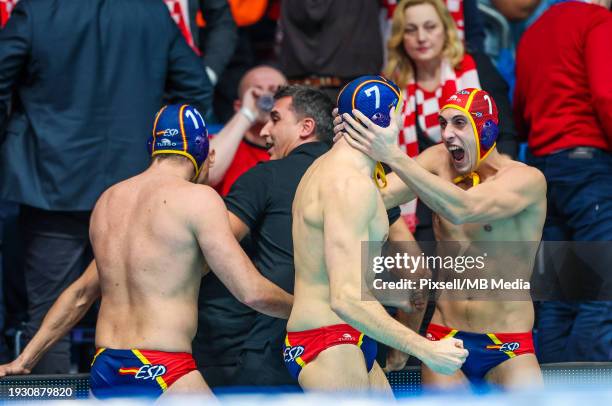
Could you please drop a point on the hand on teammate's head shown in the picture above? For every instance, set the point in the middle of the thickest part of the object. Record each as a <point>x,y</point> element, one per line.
<point>375,141</point>
<point>338,126</point>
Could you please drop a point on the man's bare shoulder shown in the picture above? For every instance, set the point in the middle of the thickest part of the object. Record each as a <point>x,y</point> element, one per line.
<point>349,188</point>
<point>347,179</point>
<point>524,180</point>
<point>523,174</point>
<point>199,197</point>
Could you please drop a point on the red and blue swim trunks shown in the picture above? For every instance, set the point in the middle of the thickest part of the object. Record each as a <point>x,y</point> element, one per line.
<point>301,347</point>
<point>118,373</point>
<point>486,351</point>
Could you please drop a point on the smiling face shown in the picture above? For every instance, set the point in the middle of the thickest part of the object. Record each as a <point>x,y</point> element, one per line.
<point>283,129</point>
<point>459,139</point>
<point>424,33</point>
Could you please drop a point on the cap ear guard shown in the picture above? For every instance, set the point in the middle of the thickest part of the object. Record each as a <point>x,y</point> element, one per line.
<point>488,134</point>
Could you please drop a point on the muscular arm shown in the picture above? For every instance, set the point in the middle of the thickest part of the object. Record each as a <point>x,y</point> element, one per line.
<point>239,229</point>
<point>225,144</point>
<point>397,191</point>
<point>67,310</point>
<point>510,193</point>
<point>229,262</point>
<point>350,205</point>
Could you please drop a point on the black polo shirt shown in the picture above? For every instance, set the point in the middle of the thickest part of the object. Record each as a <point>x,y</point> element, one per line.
<point>262,198</point>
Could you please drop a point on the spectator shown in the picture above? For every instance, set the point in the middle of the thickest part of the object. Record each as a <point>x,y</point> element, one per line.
<point>206,25</point>
<point>327,43</point>
<point>88,76</point>
<point>428,61</point>
<point>467,19</point>
<point>515,10</point>
<point>563,101</point>
<point>209,29</point>
<point>256,33</point>
<point>238,145</point>
<point>505,22</point>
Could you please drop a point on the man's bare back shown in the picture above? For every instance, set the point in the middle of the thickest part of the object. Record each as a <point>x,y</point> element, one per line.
<point>149,262</point>
<point>151,235</point>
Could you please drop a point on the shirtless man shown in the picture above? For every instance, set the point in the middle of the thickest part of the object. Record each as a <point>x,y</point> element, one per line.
<point>151,235</point>
<point>330,343</point>
<point>478,195</point>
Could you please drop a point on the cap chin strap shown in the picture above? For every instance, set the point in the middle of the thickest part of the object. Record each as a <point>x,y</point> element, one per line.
<point>379,176</point>
<point>198,170</point>
<point>473,176</point>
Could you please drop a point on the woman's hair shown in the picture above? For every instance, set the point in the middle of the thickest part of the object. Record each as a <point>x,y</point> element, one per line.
<point>400,67</point>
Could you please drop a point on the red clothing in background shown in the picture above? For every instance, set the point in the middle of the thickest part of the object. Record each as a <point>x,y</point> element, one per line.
<point>247,156</point>
<point>563,94</point>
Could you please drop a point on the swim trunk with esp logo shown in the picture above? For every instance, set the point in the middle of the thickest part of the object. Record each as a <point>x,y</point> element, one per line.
<point>301,347</point>
<point>486,351</point>
<point>116,373</point>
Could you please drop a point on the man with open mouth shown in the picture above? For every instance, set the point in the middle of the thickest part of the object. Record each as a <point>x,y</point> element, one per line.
<point>478,197</point>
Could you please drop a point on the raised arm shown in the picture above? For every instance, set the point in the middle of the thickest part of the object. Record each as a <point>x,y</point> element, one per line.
<point>226,142</point>
<point>229,262</point>
<point>508,194</point>
<point>67,310</point>
<point>350,205</point>
<point>397,191</point>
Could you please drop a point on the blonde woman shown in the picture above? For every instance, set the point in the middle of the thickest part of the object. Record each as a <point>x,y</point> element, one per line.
<point>427,59</point>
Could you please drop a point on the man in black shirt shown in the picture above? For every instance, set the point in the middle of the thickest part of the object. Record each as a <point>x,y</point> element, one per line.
<point>244,348</point>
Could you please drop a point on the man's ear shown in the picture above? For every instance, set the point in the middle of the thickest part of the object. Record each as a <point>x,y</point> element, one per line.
<point>308,127</point>
<point>211,157</point>
<point>237,105</point>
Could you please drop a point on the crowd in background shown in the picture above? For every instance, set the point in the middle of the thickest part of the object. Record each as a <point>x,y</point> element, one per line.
<point>81,80</point>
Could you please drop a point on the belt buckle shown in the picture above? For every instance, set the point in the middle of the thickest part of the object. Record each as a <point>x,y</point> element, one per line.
<point>581,153</point>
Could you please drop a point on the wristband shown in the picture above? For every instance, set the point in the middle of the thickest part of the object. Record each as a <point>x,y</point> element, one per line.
<point>245,111</point>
